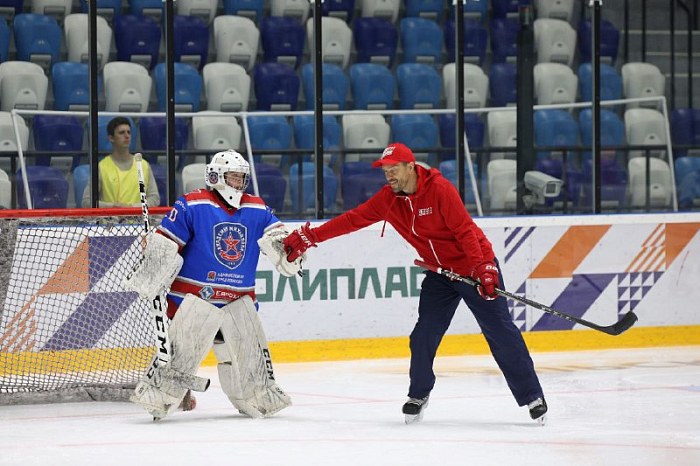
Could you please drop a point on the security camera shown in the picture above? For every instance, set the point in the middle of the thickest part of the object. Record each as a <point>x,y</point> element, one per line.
<point>542,186</point>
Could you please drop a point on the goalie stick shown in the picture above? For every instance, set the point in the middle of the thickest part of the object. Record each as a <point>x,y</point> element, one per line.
<point>615,329</point>
<point>162,355</point>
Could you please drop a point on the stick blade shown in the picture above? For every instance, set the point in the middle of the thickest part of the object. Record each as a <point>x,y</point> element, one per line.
<point>625,323</point>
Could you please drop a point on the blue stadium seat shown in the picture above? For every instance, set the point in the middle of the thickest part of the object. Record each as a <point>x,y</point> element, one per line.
<point>54,133</point>
<point>160,173</point>
<point>10,8</point>
<point>504,39</point>
<point>37,39</point>
<point>610,82</point>
<point>282,40</point>
<point>48,188</point>
<point>428,9</point>
<point>476,10</point>
<point>71,86</point>
<point>153,130</point>
<point>613,182</point>
<point>276,86</point>
<point>308,191</point>
<point>373,86</point>
<point>609,41</point>
<point>151,8</point>
<point>359,181</point>
<point>272,185</point>
<point>687,172</point>
<point>188,87</point>
<point>475,41</point>
<point>137,39</point>
<point>503,84</point>
<point>685,129</point>
<point>305,137</point>
<point>448,168</point>
<point>506,8</point>
<point>421,40</point>
<point>103,142</point>
<point>415,131</point>
<point>612,132</point>
<point>252,9</point>
<point>376,40</point>
<point>269,132</point>
<point>420,86</point>
<point>473,128</point>
<point>190,40</point>
<point>554,128</point>
<point>106,8</point>
<point>335,86</point>
<point>342,9</point>
<point>5,36</point>
<point>81,178</point>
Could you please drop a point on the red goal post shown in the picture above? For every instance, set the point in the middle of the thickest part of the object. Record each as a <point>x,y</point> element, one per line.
<point>69,330</point>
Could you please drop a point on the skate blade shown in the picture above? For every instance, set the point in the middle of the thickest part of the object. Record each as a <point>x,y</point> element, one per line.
<point>542,420</point>
<point>411,418</point>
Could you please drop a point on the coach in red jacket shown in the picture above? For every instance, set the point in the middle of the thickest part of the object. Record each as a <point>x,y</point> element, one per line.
<point>427,212</point>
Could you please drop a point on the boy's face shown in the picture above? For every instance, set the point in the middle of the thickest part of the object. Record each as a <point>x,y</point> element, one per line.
<point>122,136</point>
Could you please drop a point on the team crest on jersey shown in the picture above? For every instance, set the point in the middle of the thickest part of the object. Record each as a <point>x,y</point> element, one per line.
<point>206,292</point>
<point>230,243</point>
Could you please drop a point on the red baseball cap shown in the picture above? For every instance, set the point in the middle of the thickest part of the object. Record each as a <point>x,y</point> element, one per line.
<point>393,154</point>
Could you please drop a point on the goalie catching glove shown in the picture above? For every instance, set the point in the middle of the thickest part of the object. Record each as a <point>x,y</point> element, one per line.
<point>157,269</point>
<point>273,247</point>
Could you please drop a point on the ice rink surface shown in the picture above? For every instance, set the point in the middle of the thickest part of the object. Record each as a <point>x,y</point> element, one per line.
<point>616,407</point>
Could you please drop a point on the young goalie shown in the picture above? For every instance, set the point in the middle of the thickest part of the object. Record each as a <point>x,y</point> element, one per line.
<point>206,252</point>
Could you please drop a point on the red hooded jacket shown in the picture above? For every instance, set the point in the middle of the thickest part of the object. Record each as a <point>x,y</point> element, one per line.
<point>433,220</point>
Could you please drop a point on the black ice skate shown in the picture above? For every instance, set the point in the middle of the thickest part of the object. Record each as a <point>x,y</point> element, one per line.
<point>538,410</point>
<point>413,409</point>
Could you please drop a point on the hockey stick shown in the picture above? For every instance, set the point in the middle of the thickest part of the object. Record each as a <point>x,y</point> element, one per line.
<point>162,344</point>
<point>617,328</point>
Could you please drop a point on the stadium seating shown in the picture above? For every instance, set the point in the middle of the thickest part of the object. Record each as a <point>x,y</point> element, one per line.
<point>37,39</point>
<point>308,187</point>
<point>503,84</point>
<point>297,9</point>
<point>503,132</point>
<point>269,133</point>
<point>645,127</point>
<point>48,188</point>
<point>237,39</point>
<point>137,39</point>
<point>554,128</point>
<point>420,86</point>
<point>504,39</point>
<point>342,9</point>
<point>23,85</point>
<point>276,86</point>
<point>609,41</point>
<point>127,87</point>
<point>5,39</point>
<point>305,137</point>
<point>334,84</point>
<point>555,83</point>
<point>417,132</point>
<point>385,9</point>
<point>108,9</point>
<point>365,132</point>
<point>187,87</point>
<point>58,133</point>
<point>375,40</point>
<point>610,82</point>
<point>613,183</point>
<point>555,41</point>
<point>10,8</point>
<point>502,187</point>
<point>506,8</point>
<point>421,40</point>
<point>193,177</point>
<point>557,9</point>
<point>448,168</point>
<point>473,128</point>
<point>56,8</point>
<point>75,27</point>
<point>151,8</point>
<point>204,9</point>
<point>81,178</point>
<point>5,190</point>
<point>685,130</point>
<point>252,9</point>
<point>428,9</point>
<point>336,38</point>
<point>282,40</point>
<point>612,133</point>
<point>687,173</point>
<point>191,40</point>
<point>373,86</point>
<point>474,44</point>
<point>359,181</point>
<point>272,185</point>
<point>660,189</point>
<point>71,86</point>
<point>8,140</point>
<point>153,130</point>
<point>215,133</point>
<point>226,87</point>
<point>642,80</point>
<point>476,86</point>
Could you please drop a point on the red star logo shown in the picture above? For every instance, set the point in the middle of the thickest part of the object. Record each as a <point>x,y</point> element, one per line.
<point>231,243</point>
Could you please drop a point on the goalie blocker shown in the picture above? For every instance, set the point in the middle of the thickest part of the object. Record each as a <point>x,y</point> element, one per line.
<point>245,367</point>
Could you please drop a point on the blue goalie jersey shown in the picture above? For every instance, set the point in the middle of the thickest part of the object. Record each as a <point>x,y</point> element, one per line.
<point>219,245</point>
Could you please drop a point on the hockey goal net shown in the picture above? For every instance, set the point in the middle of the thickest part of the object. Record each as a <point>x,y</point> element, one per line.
<point>69,330</point>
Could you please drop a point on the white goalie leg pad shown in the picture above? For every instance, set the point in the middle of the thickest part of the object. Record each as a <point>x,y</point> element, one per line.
<point>245,366</point>
<point>157,269</point>
<point>191,334</point>
<point>272,246</point>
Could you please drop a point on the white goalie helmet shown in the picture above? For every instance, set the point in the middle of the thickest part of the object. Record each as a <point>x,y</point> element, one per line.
<point>222,163</point>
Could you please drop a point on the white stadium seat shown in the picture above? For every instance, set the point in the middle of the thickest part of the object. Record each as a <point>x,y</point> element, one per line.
<point>237,39</point>
<point>23,85</point>
<point>127,87</point>
<point>226,87</point>
<point>555,41</point>
<point>476,85</point>
<point>336,37</point>
<point>365,132</point>
<point>76,30</point>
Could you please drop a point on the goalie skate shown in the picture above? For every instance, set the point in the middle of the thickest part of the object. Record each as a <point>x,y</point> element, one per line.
<point>413,409</point>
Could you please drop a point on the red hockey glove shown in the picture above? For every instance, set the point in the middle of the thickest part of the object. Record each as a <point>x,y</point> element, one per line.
<point>299,241</point>
<point>486,274</point>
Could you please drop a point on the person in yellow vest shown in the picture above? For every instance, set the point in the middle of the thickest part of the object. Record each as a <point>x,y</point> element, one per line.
<point>119,181</point>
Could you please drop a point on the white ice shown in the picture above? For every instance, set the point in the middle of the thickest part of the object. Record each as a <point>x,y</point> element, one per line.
<point>617,407</point>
